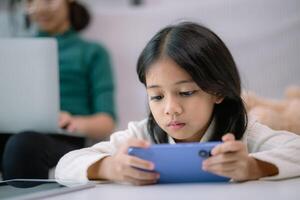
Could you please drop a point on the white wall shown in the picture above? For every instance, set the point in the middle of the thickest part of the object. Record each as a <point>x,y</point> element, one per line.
<point>263,36</point>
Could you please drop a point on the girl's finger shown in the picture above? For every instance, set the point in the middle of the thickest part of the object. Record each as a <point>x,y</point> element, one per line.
<point>134,142</point>
<point>228,137</point>
<point>139,182</point>
<point>140,175</point>
<point>139,163</point>
<point>221,158</point>
<point>229,173</point>
<point>223,169</point>
<point>226,147</point>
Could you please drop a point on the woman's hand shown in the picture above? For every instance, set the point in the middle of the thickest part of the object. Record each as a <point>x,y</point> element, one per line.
<point>97,126</point>
<point>231,159</point>
<point>121,167</point>
<point>71,123</point>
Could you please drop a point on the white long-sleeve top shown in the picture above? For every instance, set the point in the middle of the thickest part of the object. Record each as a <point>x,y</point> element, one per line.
<point>280,148</point>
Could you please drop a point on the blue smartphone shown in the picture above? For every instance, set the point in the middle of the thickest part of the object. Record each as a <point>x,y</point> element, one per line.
<point>179,163</point>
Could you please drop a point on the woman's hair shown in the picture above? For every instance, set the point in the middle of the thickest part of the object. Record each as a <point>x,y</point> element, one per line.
<point>203,55</point>
<point>79,16</point>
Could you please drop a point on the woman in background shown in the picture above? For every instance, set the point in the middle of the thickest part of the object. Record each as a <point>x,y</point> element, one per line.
<point>86,93</point>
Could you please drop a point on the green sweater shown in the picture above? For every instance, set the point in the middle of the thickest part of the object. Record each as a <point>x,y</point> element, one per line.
<point>86,80</point>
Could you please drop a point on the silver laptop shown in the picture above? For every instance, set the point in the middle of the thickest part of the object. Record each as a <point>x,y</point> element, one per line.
<point>29,85</point>
<point>28,189</point>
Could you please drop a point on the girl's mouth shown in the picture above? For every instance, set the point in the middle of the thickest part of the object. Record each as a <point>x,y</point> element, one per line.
<point>176,125</point>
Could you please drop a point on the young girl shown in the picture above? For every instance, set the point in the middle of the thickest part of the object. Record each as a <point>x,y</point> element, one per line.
<point>194,90</point>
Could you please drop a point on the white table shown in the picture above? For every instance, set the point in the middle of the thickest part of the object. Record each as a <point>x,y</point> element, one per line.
<point>252,190</point>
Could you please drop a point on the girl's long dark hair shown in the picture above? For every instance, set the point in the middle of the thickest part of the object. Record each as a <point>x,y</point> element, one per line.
<point>203,55</point>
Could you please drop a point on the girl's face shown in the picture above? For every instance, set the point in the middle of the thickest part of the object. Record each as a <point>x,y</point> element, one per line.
<point>177,103</point>
<point>51,16</point>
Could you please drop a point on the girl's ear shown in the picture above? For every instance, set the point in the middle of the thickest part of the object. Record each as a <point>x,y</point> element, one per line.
<point>219,100</point>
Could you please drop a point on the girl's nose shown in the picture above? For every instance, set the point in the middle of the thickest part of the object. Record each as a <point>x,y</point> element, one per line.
<point>172,107</point>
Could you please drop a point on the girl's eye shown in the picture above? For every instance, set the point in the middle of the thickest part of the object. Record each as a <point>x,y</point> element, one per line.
<point>187,94</point>
<point>156,98</point>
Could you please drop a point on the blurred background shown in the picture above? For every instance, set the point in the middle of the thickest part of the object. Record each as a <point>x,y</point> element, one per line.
<point>263,36</point>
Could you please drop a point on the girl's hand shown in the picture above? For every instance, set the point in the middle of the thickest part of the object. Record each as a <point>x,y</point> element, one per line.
<point>231,159</point>
<point>121,166</point>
